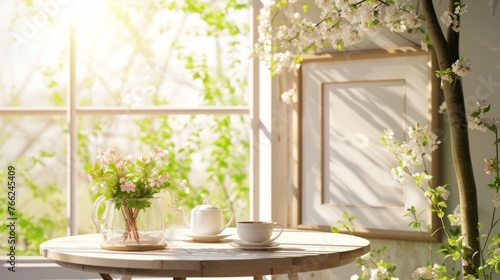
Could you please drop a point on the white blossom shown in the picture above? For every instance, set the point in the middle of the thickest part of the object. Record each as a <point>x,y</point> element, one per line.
<point>421,178</point>
<point>379,273</point>
<point>450,20</point>
<point>423,273</point>
<point>400,175</point>
<point>287,96</point>
<point>481,104</point>
<point>496,200</point>
<point>443,192</point>
<point>481,121</point>
<point>424,46</point>
<point>456,27</point>
<point>183,186</point>
<point>410,154</point>
<point>443,108</point>
<point>460,10</point>
<point>489,166</point>
<point>461,67</point>
<point>477,123</point>
<point>341,23</point>
<point>446,18</point>
<point>444,76</point>
<point>454,218</point>
<point>422,140</point>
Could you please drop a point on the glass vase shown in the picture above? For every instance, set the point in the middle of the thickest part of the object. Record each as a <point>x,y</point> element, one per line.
<point>129,223</point>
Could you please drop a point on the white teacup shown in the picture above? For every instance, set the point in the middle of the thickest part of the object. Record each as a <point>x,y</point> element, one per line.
<point>257,231</point>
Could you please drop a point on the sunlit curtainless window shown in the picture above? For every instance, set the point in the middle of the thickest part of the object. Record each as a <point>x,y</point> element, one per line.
<point>81,75</point>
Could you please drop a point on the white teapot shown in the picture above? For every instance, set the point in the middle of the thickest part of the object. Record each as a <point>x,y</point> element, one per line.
<point>207,220</point>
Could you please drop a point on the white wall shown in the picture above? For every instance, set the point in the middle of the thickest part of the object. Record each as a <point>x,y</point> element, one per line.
<point>480,42</point>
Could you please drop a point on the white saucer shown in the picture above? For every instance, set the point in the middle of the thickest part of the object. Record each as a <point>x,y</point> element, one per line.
<point>207,238</point>
<point>253,246</point>
<point>249,244</point>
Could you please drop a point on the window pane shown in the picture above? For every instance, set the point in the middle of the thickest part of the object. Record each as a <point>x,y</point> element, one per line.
<point>128,53</point>
<point>36,147</point>
<point>211,152</point>
<point>33,40</point>
<point>142,53</point>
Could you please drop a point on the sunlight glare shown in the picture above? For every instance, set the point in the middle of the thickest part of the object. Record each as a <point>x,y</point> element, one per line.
<point>88,16</point>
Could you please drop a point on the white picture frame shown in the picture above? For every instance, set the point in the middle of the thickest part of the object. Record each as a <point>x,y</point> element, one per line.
<point>346,101</point>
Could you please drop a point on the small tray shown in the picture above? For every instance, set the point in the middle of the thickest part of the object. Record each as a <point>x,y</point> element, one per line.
<point>129,247</point>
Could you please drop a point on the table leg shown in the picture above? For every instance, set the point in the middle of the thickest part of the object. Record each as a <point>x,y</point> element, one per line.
<point>179,278</point>
<point>105,276</point>
<point>293,276</point>
<point>258,278</point>
<point>126,277</point>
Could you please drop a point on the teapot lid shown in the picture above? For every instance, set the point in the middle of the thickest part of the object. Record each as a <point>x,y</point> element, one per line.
<point>206,207</point>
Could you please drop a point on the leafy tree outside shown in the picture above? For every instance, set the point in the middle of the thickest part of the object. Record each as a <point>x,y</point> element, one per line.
<point>129,55</point>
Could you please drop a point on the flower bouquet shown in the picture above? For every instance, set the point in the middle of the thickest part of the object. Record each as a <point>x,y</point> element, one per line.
<point>130,185</point>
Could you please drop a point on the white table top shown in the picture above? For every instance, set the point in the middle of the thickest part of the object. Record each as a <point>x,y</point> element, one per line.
<point>298,251</point>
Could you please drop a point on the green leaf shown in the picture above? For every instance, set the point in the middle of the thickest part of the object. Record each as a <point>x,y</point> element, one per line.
<point>340,45</point>
<point>52,84</point>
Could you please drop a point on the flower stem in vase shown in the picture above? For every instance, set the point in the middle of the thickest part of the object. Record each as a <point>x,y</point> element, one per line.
<point>130,215</point>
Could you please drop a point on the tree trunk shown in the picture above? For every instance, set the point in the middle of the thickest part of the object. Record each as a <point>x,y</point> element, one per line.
<point>447,52</point>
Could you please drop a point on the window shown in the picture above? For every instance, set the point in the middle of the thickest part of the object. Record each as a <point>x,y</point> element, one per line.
<point>82,75</point>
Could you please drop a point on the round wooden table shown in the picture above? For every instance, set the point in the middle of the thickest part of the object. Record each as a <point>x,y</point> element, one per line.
<point>298,251</point>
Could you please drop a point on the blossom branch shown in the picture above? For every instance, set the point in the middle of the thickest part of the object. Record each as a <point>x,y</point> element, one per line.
<point>497,171</point>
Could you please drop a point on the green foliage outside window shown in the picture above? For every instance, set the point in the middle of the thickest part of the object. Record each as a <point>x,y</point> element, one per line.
<point>210,151</point>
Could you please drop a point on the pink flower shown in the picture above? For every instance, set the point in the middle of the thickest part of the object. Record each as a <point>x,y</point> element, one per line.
<point>163,178</point>
<point>161,153</point>
<point>127,187</point>
<point>119,163</point>
<point>158,181</point>
<point>102,157</point>
<point>129,159</point>
<point>146,158</point>
<point>154,182</point>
